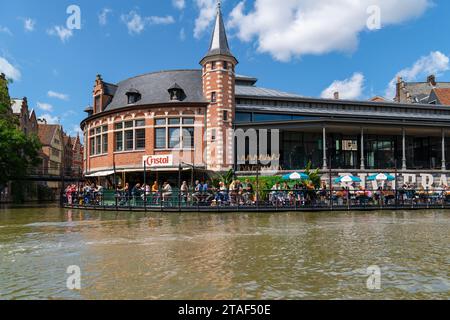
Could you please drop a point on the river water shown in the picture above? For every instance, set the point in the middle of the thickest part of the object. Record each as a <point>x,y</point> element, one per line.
<point>224,256</point>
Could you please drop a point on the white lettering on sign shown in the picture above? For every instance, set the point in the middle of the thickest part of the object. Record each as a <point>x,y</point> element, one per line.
<point>158,161</point>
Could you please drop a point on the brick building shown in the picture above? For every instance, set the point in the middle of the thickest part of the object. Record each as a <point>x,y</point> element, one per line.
<point>216,119</point>
<point>27,118</point>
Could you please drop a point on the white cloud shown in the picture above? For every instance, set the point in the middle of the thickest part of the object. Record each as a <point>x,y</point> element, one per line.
<point>179,4</point>
<point>76,130</point>
<point>348,89</point>
<point>45,106</point>
<point>63,33</point>
<point>161,20</point>
<point>5,30</point>
<point>182,34</point>
<point>435,63</point>
<point>29,24</point>
<point>206,15</point>
<point>9,70</point>
<point>57,95</point>
<point>50,119</point>
<point>136,23</point>
<point>300,27</point>
<point>103,16</point>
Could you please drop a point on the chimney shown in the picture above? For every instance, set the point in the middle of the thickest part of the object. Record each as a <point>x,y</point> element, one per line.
<point>336,95</point>
<point>432,80</point>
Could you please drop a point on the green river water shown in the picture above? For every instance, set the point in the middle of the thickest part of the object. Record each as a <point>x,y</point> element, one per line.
<point>223,256</point>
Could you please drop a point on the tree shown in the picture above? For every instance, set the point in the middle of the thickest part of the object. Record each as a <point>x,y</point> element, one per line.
<point>18,152</point>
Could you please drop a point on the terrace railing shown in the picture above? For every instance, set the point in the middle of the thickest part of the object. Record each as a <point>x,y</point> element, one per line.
<point>266,200</point>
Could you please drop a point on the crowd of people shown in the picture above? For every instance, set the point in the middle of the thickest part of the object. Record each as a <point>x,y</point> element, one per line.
<point>243,193</point>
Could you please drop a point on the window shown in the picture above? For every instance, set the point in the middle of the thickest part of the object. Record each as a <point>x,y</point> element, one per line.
<point>129,135</point>
<point>225,115</point>
<point>97,104</point>
<point>140,139</point>
<point>98,140</point>
<point>213,135</point>
<point>174,133</point>
<point>213,66</point>
<point>225,65</point>
<point>188,138</point>
<point>213,97</point>
<point>160,136</point>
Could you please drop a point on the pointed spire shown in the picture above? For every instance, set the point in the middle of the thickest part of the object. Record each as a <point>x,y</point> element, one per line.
<point>219,42</point>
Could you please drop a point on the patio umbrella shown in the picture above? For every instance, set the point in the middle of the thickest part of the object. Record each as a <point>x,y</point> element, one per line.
<point>381,177</point>
<point>296,176</point>
<point>347,179</point>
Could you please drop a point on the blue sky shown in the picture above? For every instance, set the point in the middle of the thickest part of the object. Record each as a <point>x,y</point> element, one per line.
<point>302,47</point>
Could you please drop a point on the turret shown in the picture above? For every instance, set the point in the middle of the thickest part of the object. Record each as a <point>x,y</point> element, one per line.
<point>218,76</point>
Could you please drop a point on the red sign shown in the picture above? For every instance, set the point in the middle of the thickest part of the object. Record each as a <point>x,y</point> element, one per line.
<point>158,161</point>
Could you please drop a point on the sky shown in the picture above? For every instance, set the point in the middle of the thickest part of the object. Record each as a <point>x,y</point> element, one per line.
<point>52,50</point>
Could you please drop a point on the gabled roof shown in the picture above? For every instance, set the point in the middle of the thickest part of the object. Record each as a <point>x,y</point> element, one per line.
<point>420,91</point>
<point>46,132</point>
<point>109,89</point>
<point>443,95</point>
<point>17,106</point>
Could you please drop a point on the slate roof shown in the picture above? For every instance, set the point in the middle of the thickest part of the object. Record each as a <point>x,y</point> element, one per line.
<point>109,89</point>
<point>421,90</point>
<point>153,88</point>
<point>219,42</point>
<point>253,91</point>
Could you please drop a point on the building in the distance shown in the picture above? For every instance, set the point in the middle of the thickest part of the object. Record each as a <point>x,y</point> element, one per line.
<point>215,119</point>
<point>77,156</point>
<point>52,140</point>
<point>27,118</point>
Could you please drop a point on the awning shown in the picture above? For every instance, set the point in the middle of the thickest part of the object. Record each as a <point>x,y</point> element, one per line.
<point>100,174</point>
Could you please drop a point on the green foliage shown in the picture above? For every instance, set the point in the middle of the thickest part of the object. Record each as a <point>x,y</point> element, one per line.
<point>19,152</point>
<point>314,176</point>
<point>226,178</point>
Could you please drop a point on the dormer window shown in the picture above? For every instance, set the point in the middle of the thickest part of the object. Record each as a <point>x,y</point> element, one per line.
<point>176,93</point>
<point>133,96</point>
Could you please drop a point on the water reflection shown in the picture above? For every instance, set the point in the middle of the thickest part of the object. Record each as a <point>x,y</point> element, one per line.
<point>227,256</point>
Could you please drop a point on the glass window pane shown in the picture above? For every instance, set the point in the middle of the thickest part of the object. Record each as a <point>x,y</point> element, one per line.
<point>98,130</point>
<point>174,138</point>
<point>105,128</point>
<point>188,138</point>
<point>188,120</point>
<point>98,145</point>
<point>92,146</point>
<point>160,138</point>
<point>129,140</point>
<point>119,141</point>
<point>160,122</point>
<point>140,139</point>
<point>129,124</point>
<point>118,126</point>
<point>174,121</point>
<point>140,123</point>
<point>105,143</point>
